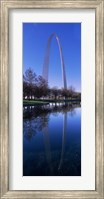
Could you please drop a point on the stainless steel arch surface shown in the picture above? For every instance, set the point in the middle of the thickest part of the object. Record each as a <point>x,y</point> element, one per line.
<point>46,59</point>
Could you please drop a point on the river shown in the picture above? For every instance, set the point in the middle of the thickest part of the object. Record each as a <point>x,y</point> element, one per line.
<point>52,140</point>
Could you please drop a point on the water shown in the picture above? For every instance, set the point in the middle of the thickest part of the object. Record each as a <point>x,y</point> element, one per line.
<point>52,140</point>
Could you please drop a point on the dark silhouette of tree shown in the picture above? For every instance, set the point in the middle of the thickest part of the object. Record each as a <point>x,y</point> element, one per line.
<point>29,79</point>
<point>72,91</point>
<point>64,93</point>
<point>37,87</point>
<point>30,76</point>
<point>54,92</point>
<point>49,93</point>
<point>41,89</point>
<point>68,93</point>
<point>77,95</point>
<point>25,89</point>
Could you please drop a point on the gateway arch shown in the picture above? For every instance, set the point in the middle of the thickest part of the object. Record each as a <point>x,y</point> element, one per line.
<point>46,60</point>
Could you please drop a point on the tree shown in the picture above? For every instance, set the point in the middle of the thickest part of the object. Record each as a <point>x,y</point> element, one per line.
<point>41,87</point>
<point>49,93</point>
<point>72,91</point>
<point>64,93</point>
<point>54,92</point>
<point>25,89</point>
<point>29,79</point>
<point>77,95</point>
<point>30,76</point>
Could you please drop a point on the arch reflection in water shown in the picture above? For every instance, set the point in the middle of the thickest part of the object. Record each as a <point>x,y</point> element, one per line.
<point>52,141</point>
<point>48,147</point>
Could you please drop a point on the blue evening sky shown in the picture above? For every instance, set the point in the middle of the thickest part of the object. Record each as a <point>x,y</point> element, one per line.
<point>35,36</point>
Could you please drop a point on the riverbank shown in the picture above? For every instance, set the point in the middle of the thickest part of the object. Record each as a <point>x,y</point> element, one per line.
<point>47,101</point>
<point>34,102</point>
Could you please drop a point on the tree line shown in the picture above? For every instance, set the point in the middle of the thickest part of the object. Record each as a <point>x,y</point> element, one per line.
<point>37,87</point>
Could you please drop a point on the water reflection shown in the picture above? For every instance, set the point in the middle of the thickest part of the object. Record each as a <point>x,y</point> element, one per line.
<point>48,147</point>
<point>63,139</point>
<point>55,154</point>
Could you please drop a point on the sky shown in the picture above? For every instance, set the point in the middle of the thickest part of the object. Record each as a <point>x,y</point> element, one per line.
<point>35,37</point>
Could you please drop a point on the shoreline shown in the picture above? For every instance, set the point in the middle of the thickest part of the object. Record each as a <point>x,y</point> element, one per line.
<point>47,101</point>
